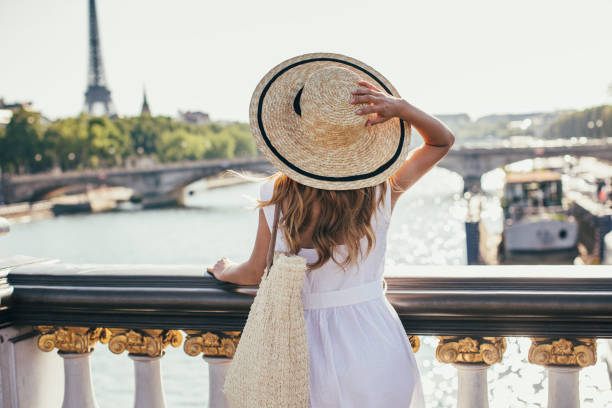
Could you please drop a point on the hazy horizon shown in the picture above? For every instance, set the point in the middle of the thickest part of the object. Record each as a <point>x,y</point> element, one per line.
<point>471,57</point>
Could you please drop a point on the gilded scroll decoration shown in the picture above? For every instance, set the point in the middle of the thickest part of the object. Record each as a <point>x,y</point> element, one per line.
<point>415,342</point>
<point>457,349</point>
<point>578,352</point>
<point>69,338</point>
<point>149,342</point>
<point>211,343</point>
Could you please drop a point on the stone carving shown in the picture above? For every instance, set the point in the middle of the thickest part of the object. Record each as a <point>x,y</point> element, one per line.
<point>146,342</point>
<point>578,352</point>
<point>69,339</point>
<point>457,349</point>
<point>211,343</point>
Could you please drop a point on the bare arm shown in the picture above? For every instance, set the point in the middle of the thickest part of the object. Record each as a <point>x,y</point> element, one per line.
<point>437,137</point>
<point>251,271</point>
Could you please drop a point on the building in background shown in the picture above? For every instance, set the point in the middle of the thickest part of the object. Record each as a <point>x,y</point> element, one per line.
<point>195,117</point>
<point>7,110</point>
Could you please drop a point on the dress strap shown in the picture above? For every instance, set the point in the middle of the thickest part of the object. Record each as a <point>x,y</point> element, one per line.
<point>344,297</point>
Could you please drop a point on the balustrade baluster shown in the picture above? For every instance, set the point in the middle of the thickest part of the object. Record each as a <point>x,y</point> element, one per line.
<point>218,348</point>
<point>74,344</point>
<point>563,358</point>
<point>145,348</point>
<point>471,356</point>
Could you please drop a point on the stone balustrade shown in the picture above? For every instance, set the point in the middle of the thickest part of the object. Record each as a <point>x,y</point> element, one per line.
<point>48,305</point>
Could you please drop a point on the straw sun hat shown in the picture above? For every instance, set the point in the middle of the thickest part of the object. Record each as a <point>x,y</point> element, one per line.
<point>304,124</point>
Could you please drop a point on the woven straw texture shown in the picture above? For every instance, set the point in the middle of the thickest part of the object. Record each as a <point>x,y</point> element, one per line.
<point>270,368</point>
<point>327,138</point>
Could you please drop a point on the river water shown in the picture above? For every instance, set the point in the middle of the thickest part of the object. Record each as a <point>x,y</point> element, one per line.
<point>427,228</point>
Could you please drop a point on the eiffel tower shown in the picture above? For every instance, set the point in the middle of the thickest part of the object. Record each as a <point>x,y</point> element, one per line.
<point>97,97</point>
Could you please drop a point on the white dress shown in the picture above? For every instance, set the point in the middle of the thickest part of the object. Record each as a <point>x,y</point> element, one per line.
<point>360,355</point>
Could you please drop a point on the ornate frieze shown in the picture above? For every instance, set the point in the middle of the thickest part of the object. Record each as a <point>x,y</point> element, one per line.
<point>211,343</point>
<point>69,339</point>
<point>580,352</point>
<point>457,349</point>
<point>149,342</point>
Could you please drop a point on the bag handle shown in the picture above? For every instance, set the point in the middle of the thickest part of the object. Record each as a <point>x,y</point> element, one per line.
<point>270,257</point>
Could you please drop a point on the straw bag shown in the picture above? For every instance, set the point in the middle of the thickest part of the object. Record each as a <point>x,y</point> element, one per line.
<point>271,366</point>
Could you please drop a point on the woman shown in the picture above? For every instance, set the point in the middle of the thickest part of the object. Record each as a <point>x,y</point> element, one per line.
<point>339,137</point>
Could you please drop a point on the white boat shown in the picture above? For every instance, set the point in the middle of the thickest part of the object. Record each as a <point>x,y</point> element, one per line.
<point>536,217</point>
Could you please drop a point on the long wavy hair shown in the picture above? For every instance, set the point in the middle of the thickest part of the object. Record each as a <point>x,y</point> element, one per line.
<point>343,219</point>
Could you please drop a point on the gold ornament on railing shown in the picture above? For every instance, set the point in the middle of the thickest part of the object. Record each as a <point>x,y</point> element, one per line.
<point>578,352</point>
<point>68,338</point>
<point>149,342</point>
<point>456,349</point>
<point>211,343</point>
<point>415,342</point>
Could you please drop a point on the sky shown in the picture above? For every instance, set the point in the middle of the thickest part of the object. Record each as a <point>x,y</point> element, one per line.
<point>473,56</point>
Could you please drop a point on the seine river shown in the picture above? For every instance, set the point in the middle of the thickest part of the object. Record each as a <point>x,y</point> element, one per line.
<point>427,228</point>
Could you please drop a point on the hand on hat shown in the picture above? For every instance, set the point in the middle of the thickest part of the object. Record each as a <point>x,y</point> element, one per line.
<point>380,103</point>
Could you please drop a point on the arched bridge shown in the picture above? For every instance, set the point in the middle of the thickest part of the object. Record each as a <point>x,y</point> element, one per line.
<point>163,184</point>
<point>471,162</point>
<point>156,185</point>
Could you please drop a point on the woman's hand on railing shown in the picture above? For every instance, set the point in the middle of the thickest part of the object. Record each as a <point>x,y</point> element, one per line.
<point>240,274</point>
<point>221,268</point>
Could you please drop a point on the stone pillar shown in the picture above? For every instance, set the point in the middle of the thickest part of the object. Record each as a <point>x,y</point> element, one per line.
<point>218,348</point>
<point>563,358</point>
<point>146,348</point>
<point>472,385</point>
<point>29,378</point>
<point>78,387</point>
<point>472,184</point>
<point>149,388</point>
<point>217,369</point>
<point>471,356</point>
<point>75,344</point>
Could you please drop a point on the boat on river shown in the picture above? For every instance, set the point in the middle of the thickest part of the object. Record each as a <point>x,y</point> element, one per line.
<point>538,227</point>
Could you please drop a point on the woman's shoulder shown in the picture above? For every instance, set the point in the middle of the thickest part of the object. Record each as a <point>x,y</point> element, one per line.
<point>266,189</point>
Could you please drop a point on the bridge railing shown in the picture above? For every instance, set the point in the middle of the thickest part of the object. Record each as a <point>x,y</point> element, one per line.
<point>141,310</point>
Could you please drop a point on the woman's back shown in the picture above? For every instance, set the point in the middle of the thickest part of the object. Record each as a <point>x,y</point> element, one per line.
<point>360,355</point>
<point>330,276</point>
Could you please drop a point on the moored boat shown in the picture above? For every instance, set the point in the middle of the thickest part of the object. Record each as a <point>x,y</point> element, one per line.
<point>538,226</point>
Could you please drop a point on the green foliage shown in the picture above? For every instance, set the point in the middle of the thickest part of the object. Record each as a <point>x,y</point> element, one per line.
<point>181,145</point>
<point>245,144</point>
<point>92,142</point>
<point>22,145</point>
<point>592,122</point>
<point>221,146</point>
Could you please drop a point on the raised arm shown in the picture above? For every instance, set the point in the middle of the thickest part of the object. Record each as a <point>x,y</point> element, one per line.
<point>438,139</point>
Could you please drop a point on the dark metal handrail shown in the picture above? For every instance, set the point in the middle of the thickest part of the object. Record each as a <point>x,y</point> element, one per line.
<point>511,300</point>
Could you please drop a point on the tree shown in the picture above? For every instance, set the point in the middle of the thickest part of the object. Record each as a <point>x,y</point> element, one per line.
<point>23,147</point>
<point>592,122</point>
<point>221,146</point>
<point>180,145</point>
<point>107,143</point>
<point>244,142</point>
<point>68,140</point>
